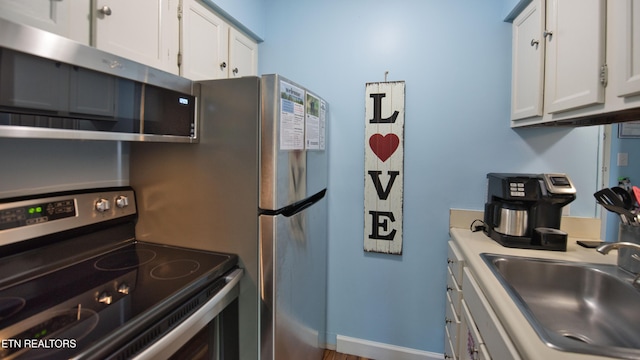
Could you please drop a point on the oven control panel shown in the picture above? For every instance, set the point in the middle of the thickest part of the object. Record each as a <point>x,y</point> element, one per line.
<point>22,219</point>
<point>37,213</point>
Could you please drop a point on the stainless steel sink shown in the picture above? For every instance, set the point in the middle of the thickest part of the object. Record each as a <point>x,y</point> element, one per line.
<point>575,307</point>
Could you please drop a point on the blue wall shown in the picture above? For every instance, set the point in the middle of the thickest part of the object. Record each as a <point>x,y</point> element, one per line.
<point>455,57</point>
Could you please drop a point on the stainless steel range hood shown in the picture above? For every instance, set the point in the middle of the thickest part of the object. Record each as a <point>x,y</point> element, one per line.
<point>53,87</point>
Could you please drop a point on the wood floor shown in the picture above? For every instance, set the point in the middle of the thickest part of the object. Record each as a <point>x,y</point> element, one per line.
<point>332,355</point>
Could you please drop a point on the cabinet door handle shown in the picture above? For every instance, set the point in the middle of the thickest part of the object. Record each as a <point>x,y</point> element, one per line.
<point>534,42</point>
<point>223,65</point>
<point>548,34</point>
<point>105,10</point>
<point>235,71</point>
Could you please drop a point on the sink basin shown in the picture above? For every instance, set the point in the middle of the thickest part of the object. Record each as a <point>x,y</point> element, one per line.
<point>575,307</point>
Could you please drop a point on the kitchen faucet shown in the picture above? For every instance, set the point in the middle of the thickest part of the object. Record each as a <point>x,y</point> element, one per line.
<point>604,249</point>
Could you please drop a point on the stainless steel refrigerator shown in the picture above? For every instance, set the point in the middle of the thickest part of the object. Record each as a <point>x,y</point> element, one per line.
<point>255,185</point>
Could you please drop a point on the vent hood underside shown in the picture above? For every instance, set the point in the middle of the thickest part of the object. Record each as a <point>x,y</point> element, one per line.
<point>596,119</point>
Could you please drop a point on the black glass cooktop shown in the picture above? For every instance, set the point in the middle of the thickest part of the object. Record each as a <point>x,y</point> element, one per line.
<point>64,312</point>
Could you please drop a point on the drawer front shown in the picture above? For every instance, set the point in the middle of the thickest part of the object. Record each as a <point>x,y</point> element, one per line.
<point>454,291</point>
<point>470,346</point>
<point>495,336</point>
<point>455,262</point>
<point>452,322</point>
<point>449,349</point>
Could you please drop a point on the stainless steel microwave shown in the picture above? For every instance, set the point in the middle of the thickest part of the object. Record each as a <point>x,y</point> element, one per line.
<point>53,87</point>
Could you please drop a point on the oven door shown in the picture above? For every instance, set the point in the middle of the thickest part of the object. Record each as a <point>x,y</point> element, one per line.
<point>209,333</point>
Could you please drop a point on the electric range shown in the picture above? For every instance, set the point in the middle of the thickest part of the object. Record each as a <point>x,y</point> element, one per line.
<point>75,283</point>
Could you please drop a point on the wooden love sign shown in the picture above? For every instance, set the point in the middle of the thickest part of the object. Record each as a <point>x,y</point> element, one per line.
<point>384,166</point>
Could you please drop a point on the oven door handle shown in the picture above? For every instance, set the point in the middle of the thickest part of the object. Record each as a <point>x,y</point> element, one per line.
<point>164,347</point>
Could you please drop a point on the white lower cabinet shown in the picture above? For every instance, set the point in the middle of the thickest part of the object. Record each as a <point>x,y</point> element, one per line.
<point>489,328</point>
<point>449,352</point>
<point>453,311</point>
<point>472,344</point>
<point>452,326</point>
<point>472,329</point>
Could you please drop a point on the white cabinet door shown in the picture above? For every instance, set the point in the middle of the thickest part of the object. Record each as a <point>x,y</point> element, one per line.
<point>628,13</point>
<point>50,15</point>
<point>528,62</point>
<point>211,48</point>
<point>204,43</point>
<point>575,54</point>
<point>68,18</point>
<point>243,55</point>
<point>137,30</point>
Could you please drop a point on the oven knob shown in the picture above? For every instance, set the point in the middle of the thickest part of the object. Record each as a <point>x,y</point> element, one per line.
<point>105,298</point>
<point>103,205</point>
<point>123,289</point>
<point>122,201</point>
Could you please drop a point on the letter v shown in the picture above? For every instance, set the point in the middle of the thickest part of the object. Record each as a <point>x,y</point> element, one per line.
<point>375,177</point>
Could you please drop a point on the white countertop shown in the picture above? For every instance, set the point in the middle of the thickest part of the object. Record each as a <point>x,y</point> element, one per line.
<point>524,337</point>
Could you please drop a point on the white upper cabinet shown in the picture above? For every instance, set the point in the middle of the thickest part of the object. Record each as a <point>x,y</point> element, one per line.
<point>184,37</point>
<point>213,49</point>
<point>243,55</point>
<point>528,62</point>
<point>628,41</point>
<point>591,66</point>
<point>204,43</point>
<point>145,31</point>
<point>66,18</point>
<point>575,54</point>
<point>558,51</point>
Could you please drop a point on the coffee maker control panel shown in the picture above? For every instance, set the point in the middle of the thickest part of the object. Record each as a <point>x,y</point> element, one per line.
<point>516,189</point>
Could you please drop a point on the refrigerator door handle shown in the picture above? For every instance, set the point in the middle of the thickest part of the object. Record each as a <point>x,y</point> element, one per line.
<point>296,207</point>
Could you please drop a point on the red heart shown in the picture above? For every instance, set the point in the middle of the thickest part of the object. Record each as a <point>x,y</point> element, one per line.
<point>384,146</point>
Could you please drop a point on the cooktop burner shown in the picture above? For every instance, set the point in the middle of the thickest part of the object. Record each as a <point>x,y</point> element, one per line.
<point>123,260</point>
<point>175,269</point>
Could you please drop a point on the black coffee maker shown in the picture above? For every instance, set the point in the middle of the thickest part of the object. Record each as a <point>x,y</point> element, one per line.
<point>524,210</point>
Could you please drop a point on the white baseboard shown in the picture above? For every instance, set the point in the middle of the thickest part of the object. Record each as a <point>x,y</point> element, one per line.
<point>381,351</point>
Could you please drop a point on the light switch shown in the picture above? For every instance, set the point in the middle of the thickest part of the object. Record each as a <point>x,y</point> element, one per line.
<point>623,159</point>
